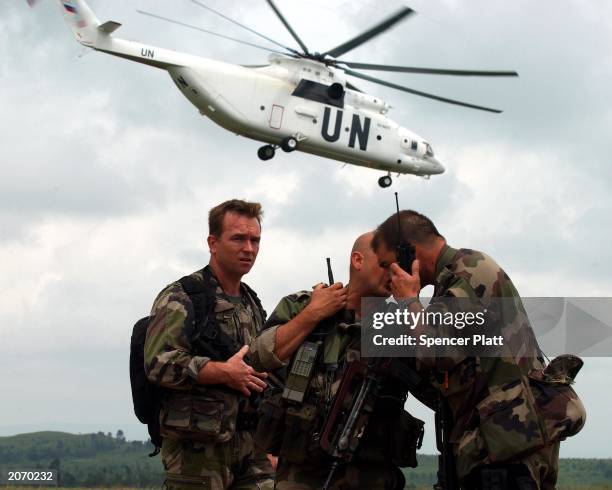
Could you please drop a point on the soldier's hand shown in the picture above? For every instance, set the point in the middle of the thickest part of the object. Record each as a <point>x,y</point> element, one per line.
<point>326,301</point>
<point>242,377</point>
<point>404,284</point>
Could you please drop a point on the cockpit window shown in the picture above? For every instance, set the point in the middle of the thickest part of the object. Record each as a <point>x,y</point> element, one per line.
<point>326,94</point>
<point>414,145</point>
<point>428,150</point>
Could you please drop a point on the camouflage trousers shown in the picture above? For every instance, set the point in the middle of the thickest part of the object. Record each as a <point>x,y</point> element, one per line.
<point>235,464</point>
<point>354,476</point>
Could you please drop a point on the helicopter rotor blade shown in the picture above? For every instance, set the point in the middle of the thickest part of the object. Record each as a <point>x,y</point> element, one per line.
<point>428,71</point>
<point>288,26</point>
<point>370,33</point>
<point>210,9</point>
<point>416,92</point>
<point>350,86</point>
<point>206,31</point>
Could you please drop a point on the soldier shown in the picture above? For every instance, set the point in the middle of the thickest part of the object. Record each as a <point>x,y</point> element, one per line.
<point>506,427</point>
<point>323,315</point>
<point>196,341</point>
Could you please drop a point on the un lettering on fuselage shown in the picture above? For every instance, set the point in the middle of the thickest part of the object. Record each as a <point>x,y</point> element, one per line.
<point>359,131</point>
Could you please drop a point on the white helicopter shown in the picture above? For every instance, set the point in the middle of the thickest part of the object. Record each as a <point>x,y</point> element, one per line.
<point>300,101</point>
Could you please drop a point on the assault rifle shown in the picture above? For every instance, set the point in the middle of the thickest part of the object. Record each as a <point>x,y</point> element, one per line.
<point>447,473</point>
<point>354,403</point>
<point>350,412</point>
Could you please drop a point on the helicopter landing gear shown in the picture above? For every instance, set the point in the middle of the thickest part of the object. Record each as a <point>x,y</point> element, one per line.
<point>385,181</point>
<point>266,152</point>
<point>289,144</point>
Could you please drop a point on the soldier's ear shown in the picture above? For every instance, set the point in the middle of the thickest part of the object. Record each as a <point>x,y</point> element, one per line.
<point>357,260</point>
<point>212,243</point>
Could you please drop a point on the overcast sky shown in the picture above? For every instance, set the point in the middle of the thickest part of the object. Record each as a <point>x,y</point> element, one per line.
<point>108,173</point>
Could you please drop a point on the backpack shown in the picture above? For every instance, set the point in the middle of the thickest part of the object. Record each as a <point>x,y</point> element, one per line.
<point>206,339</point>
<point>146,396</point>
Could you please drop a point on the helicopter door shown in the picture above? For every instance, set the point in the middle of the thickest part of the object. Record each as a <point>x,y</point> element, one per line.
<point>276,116</point>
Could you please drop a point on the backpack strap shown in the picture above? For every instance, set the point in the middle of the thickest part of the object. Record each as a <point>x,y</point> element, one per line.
<point>206,336</point>
<point>257,302</point>
<point>202,297</point>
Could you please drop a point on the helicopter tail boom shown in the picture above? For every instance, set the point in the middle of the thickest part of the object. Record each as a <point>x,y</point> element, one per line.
<point>91,33</point>
<point>83,22</point>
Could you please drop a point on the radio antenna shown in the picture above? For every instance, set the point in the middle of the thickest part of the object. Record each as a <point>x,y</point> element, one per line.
<point>330,274</point>
<point>399,232</point>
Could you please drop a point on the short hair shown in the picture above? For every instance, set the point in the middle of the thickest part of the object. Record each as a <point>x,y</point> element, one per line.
<point>414,227</point>
<point>238,206</point>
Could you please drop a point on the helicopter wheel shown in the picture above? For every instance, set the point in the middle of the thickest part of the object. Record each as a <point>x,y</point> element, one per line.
<point>266,152</point>
<point>385,181</point>
<point>289,144</point>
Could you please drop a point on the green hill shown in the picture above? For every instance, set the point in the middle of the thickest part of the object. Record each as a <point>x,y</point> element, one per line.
<point>84,459</point>
<point>574,474</point>
<point>101,460</point>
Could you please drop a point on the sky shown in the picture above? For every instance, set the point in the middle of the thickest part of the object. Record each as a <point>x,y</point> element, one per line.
<point>107,174</point>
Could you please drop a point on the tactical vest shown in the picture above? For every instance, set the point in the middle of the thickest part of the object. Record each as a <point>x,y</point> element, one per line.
<point>205,335</point>
<point>292,422</point>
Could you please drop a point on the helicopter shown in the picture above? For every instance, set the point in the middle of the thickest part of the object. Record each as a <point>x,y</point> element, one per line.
<point>300,100</point>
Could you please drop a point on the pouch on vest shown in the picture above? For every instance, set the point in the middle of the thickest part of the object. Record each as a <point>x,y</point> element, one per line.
<point>509,423</point>
<point>405,440</point>
<point>271,425</point>
<point>300,425</point>
<point>560,408</point>
<point>392,435</point>
<point>197,419</point>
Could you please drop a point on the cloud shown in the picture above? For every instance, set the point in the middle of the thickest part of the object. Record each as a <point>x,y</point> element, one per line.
<point>108,173</point>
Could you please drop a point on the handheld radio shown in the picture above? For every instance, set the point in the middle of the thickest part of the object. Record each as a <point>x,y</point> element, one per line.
<point>404,250</point>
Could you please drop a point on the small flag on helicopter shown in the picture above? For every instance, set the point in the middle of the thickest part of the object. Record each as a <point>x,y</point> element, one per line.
<point>32,2</point>
<point>70,8</point>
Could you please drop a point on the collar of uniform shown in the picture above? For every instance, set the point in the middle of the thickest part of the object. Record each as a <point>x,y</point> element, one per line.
<point>445,259</point>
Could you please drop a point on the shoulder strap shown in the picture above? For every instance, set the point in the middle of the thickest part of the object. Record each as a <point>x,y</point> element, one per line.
<point>203,301</point>
<point>255,299</point>
<point>205,335</point>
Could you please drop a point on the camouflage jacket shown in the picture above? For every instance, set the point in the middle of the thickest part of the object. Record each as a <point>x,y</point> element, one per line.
<point>391,435</point>
<point>190,410</point>
<point>501,410</point>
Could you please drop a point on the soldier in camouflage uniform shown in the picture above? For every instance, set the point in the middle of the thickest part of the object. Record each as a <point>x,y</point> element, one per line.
<point>303,465</point>
<point>508,412</point>
<point>206,418</point>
